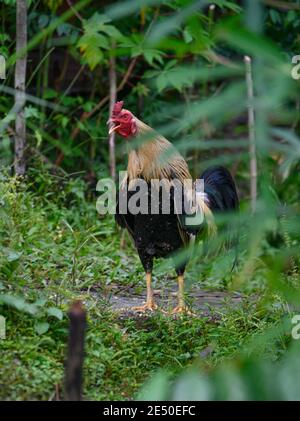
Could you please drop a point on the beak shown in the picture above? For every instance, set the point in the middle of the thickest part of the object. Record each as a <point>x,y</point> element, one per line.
<point>113,129</point>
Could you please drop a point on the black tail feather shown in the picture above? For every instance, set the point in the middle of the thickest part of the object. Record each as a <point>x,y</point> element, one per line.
<point>221,192</point>
<point>220,189</point>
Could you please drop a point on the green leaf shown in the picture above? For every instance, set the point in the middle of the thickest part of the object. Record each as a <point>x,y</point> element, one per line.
<point>174,22</point>
<point>31,112</point>
<point>137,46</point>
<point>49,93</point>
<point>41,327</point>
<point>43,21</point>
<point>93,40</point>
<point>13,255</point>
<point>152,54</point>
<point>156,388</point>
<point>113,32</point>
<point>64,29</point>
<point>229,5</point>
<point>170,64</point>
<point>97,37</point>
<point>97,21</point>
<point>38,137</point>
<point>275,16</point>
<point>55,312</point>
<point>187,36</point>
<point>18,303</point>
<point>92,54</point>
<point>161,82</point>
<point>170,76</point>
<point>192,386</point>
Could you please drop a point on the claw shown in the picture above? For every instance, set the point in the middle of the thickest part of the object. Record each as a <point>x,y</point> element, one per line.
<point>182,310</point>
<point>151,306</point>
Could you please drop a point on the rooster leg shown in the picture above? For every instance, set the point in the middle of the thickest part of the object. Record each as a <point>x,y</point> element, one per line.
<point>150,304</point>
<point>181,308</point>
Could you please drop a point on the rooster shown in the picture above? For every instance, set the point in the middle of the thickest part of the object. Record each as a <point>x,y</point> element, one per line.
<point>156,234</point>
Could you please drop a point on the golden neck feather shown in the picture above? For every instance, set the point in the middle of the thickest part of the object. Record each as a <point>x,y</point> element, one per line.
<point>156,158</point>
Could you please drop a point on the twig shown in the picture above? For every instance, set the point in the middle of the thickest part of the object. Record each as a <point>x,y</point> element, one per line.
<point>123,239</point>
<point>211,12</point>
<point>75,11</point>
<point>251,128</point>
<point>97,107</point>
<point>57,394</point>
<point>218,58</point>
<point>74,362</point>
<point>282,4</point>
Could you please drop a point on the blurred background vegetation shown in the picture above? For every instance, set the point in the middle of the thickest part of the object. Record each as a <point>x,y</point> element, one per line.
<point>179,66</point>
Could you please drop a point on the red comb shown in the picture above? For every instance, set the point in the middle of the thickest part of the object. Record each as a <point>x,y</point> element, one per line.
<point>117,108</point>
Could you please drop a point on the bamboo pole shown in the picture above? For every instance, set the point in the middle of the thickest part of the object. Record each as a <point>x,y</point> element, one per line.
<point>20,79</point>
<point>251,129</point>
<point>112,101</point>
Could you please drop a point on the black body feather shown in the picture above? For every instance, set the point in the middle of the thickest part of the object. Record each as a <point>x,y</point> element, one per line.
<point>154,235</point>
<point>158,235</point>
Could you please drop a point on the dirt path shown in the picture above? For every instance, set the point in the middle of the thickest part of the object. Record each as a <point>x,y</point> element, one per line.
<point>202,302</point>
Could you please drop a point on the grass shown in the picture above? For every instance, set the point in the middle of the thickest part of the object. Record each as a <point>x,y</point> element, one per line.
<point>55,248</point>
<point>120,355</point>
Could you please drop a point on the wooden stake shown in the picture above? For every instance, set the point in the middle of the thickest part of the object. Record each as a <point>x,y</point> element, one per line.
<point>251,128</point>
<point>75,353</point>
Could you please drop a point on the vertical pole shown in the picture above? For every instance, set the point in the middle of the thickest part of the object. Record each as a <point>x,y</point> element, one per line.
<point>75,353</point>
<point>112,100</point>
<point>20,78</point>
<point>251,128</point>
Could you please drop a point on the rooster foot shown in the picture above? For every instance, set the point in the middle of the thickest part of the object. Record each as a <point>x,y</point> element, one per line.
<point>151,306</point>
<point>182,310</point>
